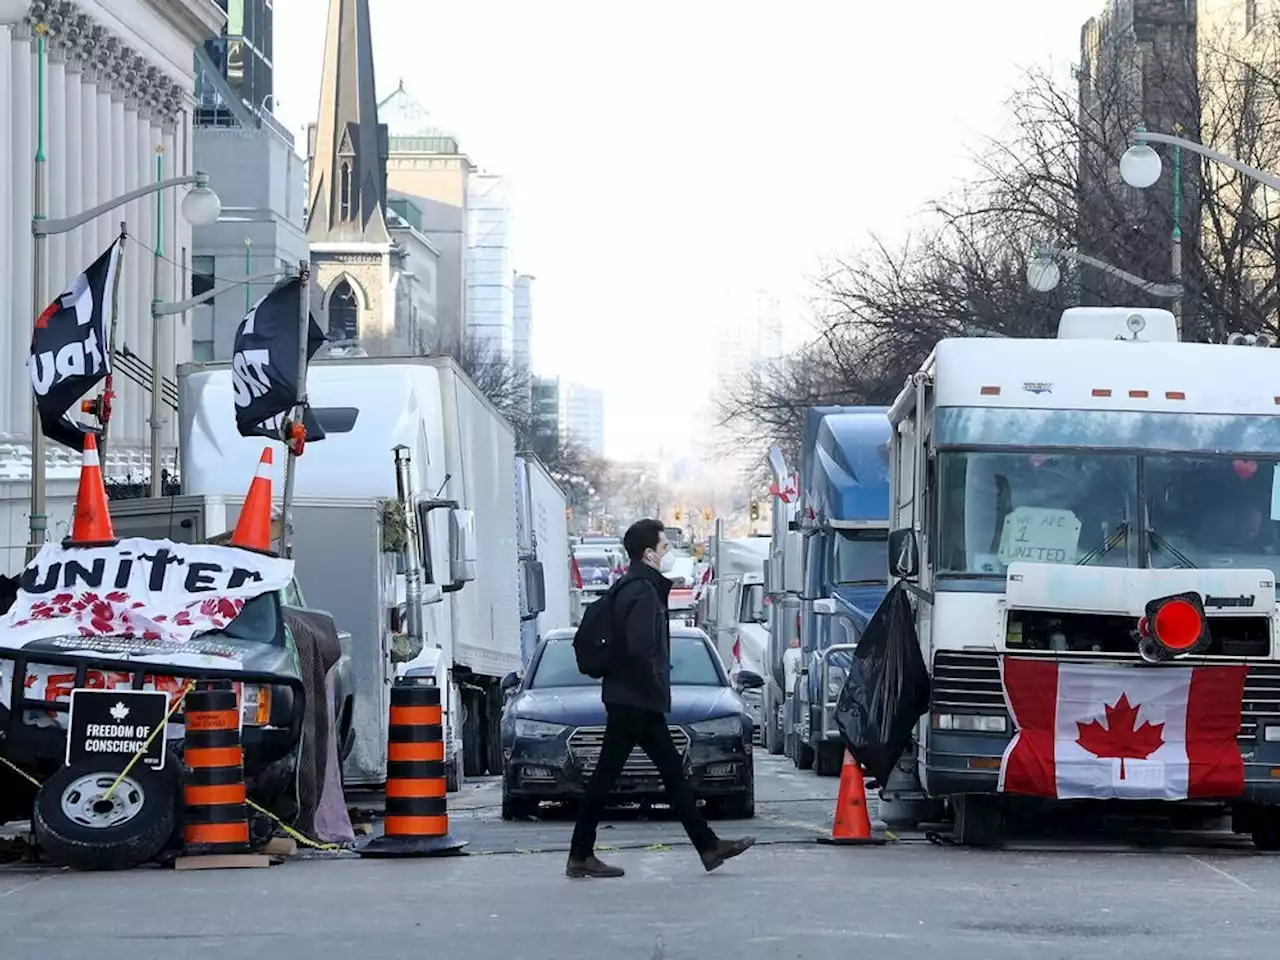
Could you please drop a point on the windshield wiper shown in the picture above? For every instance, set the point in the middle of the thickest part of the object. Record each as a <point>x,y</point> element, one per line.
<point>1178,556</point>
<point>1097,553</point>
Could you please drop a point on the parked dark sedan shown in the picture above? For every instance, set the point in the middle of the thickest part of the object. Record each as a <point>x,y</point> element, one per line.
<point>553,727</point>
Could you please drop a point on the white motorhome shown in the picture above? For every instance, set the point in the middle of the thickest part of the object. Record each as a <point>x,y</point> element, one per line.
<point>737,615</point>
<point>458,454</point>
<point>1044,493</point>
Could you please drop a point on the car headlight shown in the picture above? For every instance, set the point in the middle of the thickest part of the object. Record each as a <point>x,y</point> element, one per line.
<point>835,682</point>
<point>539,729</point>
<point>255,705</point>
<point>720,727</point>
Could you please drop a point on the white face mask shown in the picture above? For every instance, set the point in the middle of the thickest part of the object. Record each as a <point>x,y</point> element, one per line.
<point>666,562</point>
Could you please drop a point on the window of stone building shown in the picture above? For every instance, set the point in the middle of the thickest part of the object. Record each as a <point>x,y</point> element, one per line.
<point>344,191</point>
<point>344,313</point>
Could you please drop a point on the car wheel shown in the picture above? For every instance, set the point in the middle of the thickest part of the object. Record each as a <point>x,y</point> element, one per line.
<point>517,808</point>
<point>77,825</point>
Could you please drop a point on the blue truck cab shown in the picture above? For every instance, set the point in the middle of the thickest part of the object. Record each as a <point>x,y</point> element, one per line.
<point>844,521</point>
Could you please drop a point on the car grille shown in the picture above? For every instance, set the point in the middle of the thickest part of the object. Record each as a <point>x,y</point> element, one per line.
<point>585,744</point>
<point>965,680</point>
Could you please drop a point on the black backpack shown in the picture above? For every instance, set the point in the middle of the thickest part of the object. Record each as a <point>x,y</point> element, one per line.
<point>594,645</point>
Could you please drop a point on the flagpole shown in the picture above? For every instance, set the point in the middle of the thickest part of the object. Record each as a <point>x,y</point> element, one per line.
<point>290,464</point>
<point>108,393</point>
<point>39,522</point>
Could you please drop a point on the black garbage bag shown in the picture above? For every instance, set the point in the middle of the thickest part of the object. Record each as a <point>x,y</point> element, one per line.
<point>887,689</point>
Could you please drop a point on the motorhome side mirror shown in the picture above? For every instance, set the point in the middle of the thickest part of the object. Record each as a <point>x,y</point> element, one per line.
<point>535,587</point>
<point>824,607</point>
<point>755,599</point>
<point>750,680</point>
<point>904,554</point>
<point>511,681</point>
<point>462,549</point>
<point>772,582</point>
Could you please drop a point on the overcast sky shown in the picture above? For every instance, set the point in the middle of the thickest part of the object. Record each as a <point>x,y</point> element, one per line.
<point>665,154</point>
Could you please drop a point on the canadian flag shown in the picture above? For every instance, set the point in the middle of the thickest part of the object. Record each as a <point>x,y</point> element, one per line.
<point>1102,731</point>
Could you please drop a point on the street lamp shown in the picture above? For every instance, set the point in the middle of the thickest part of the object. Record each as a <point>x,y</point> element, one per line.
<point>201,206</point>
<point>1043,273</point>
<point>1140,166</point>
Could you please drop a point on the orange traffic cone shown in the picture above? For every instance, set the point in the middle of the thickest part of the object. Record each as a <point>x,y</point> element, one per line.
<point>853,824</point>
<point>253,529</point>
<point>91,524</point>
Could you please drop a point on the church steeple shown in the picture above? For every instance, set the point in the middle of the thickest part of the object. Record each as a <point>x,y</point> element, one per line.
<point>348,147</point>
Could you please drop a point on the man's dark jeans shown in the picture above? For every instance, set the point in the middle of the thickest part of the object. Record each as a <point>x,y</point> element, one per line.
<point>629,727</point>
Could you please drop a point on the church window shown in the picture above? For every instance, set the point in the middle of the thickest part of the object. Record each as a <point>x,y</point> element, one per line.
<point>344,189</point>
<point>344,313</point>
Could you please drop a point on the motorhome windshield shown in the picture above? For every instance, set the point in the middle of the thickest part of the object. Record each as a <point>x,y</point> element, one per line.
<point>860,557</point>
<point>1044,507</point>
<point>1213,511</point>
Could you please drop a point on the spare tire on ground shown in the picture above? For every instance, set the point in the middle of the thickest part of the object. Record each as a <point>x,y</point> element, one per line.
<point>77,825</point>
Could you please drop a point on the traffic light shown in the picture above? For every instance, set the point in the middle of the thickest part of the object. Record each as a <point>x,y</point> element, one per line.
<point>707,514</point>
<point>568,514</point>
<point>679,514</point>
<point>755,510</point>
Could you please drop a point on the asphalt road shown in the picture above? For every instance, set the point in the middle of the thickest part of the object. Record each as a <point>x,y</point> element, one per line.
<point>789,898</point>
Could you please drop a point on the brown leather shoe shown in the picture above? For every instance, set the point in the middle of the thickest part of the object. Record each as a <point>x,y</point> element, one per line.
<point>593,867</point>
<point>725,850</point>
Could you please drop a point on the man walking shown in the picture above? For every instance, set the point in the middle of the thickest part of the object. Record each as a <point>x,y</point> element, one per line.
<point>637,696</point>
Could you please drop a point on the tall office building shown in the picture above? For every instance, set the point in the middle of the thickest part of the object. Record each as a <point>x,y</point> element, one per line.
<point>522,314</point>
<point>242,57</point>
<point>490,276</point>
<point>582,417</point>
<point>546,407</point>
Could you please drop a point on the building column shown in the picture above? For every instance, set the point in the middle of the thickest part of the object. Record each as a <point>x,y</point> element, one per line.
<point>21,149</point>
<point>146,172</point>
<point>79,242</point>
<point>55,126</point>
<point>9,318</point>
<point>94,159</point>
<point>174,283</point>
<point>120,183</point>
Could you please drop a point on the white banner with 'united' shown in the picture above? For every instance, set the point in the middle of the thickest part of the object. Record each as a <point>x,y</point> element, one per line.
<point>147,595</point>
<point>1109,731</point>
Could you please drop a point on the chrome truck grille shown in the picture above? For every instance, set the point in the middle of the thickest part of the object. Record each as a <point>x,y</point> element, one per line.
<point>585,744</point>
<point>965,680</point>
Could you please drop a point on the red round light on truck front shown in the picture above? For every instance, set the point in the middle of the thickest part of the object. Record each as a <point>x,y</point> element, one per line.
<point>1178,625</point>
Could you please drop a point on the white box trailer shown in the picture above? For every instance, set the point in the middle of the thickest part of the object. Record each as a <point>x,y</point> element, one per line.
<point>460,454</point>
<point>543,529</point>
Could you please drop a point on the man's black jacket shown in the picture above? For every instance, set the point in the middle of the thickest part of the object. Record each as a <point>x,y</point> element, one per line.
<point>641,674</point>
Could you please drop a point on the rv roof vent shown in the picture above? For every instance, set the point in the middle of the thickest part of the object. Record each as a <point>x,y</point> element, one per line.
<point>1143,324</point>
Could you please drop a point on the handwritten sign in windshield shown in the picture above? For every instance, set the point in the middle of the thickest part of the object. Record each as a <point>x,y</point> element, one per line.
<point>1039,535</point>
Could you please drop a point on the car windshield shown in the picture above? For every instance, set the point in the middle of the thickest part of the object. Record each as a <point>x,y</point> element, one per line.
<point>997,508</point>
<point>860,557</point>
<point>258,622</point>
<point>1212,512</point>
<point>594,564</point>
<point>691,665</point>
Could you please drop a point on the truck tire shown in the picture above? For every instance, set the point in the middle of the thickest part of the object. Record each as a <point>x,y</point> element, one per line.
<point>979,820</point>
<point>493,730</point>
<point>77,827</point>
<point>773,740</point>
<point>828,759</point>
<point>804,755</point>
<point>473,760</point>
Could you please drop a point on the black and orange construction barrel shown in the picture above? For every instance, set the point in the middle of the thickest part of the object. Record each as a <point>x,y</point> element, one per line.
<point>216,818</point>
<point>417,817</point>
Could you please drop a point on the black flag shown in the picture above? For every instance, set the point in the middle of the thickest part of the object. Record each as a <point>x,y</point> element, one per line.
<point>71,349</point>
<point>264,363</point>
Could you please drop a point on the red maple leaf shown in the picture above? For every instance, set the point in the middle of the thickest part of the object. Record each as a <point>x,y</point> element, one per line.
<point>1121,738</point>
